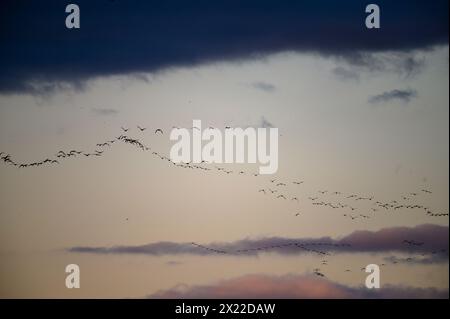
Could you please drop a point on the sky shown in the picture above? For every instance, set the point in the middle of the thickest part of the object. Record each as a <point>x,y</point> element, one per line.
<point>360,112</point>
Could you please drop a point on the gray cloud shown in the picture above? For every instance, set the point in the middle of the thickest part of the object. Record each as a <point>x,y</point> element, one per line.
<point>405,64</point>
<point>263,86</point>
<point>104,111</point>
<point>346,74</point>
<point>292,287</point>
<point>400,95</point>
<point>434,237</point>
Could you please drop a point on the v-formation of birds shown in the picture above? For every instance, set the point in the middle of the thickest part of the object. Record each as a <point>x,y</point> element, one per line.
<point>276,187</point>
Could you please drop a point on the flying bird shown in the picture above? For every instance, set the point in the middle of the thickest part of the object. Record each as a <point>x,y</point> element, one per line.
<point>319,274</point>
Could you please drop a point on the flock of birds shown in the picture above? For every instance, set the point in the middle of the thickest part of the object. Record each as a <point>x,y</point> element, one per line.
<point>277,189</point>
<point>299,245</point>
<point>339,201</point>
<point>302,245</point>
<point>335,200</point>
<point>307,246</point>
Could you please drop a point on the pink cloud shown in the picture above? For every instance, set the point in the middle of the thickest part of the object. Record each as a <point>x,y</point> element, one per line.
<point>260,286</point>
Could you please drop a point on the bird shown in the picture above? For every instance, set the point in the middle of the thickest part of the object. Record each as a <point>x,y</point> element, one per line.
<point>412,242</point>
<point>319,274</point>
<point>158,130</point>
<point>103,144</point>
<point>141,128</point>
<point>124,129</point>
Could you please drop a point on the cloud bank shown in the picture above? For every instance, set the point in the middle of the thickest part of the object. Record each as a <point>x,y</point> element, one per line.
<point>435,241</point>
<point>134,37</point>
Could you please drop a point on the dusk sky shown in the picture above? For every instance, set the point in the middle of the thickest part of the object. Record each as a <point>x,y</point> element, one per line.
<point>363,121</point>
